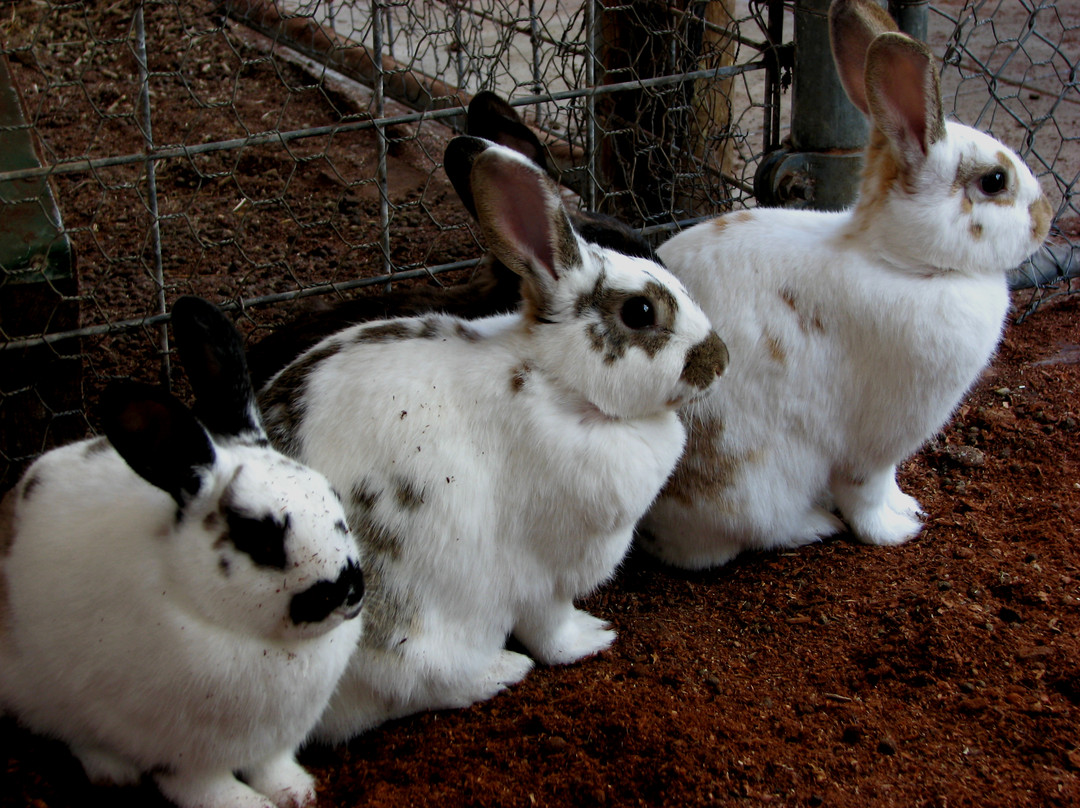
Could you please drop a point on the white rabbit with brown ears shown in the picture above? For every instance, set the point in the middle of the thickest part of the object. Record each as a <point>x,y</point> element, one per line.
<point>853,335</point>
<point>494,469</point>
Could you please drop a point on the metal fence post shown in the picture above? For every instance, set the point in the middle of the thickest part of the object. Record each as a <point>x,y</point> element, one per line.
<point>820,168</point>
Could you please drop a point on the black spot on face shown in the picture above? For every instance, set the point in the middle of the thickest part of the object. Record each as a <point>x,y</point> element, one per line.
<point>261,538</point>
<point>323,598</point>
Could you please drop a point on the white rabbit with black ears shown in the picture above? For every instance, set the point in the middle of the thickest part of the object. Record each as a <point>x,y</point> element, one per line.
<point>177,598</point>
<point>853,335</point>
<point>494,469</point>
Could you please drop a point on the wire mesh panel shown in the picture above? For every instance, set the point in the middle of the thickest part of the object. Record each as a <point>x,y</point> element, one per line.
<point>272,154</point>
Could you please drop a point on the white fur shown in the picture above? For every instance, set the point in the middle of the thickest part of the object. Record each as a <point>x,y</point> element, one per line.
<point>853,336</point>
<point>529,459</point>
<point>132,632</point>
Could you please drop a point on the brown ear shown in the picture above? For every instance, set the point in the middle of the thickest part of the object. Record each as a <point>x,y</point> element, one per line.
<point>904,96</point>
<point>523,220</point>
<point>853,25</point>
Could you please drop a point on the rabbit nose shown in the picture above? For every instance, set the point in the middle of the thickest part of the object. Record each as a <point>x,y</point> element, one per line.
<point>353,577</point>
<point>705,361</point>
<point>323,598</point>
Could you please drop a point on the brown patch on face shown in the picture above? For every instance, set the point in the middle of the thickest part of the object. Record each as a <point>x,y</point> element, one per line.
<point>1041,213</point>
<point>610,335</point>
<point>968,182</point>
<point>976,230</point>
<point>705,361</point>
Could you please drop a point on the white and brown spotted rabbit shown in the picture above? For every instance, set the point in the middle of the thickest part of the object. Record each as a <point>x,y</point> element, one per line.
<point>494,469</point>
<point>492,288</point>
<point>853,335</point>
<point>177,598</point>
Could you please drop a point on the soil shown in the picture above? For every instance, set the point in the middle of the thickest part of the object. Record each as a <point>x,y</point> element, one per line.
<point>945,672</point>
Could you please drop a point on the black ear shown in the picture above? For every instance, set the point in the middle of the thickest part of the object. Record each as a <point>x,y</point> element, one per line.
<point>212,353</point>
<point>492,118</point>
<point>458,162</point>
<point>157,436</point>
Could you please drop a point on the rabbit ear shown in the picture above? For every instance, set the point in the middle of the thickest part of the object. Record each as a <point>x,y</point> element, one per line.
<point>458,162</point>
<point>904,96</point>
<point>853,25</point>
<point>523,220</point>
<point>492,118</point>
<point>158,437</point>
<point>212,353</point>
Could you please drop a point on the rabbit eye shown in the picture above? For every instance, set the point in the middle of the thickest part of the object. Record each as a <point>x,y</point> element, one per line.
<point>638,313</point>
<point>262,539</point>
<point>993,182</point>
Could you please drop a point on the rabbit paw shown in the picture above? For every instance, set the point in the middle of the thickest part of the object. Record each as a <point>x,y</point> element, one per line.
<point>573,636</point>
<point>877,510</point>
<point>284,781</point>
<point>819,524</point>
<point>105,768</point>
<point>904,505</point>
<point>885,527</point>
<point>509,668</point>
<point>219,790</point>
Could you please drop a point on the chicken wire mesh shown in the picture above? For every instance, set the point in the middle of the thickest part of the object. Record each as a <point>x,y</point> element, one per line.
<point>269,154</point>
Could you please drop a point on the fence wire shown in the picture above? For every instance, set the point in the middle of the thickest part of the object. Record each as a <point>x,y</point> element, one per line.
<point>272,155</point>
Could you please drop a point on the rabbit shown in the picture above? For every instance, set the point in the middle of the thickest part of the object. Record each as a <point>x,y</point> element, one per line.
<point>853,334</point>
<point>492,288</point>
<point>176,597</point>
<point>493,469</point>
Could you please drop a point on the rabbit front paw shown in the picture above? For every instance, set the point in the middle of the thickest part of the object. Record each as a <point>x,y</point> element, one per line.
<point>565,636</point>
<point>509,668</point>
<point>217,790</point>
<point>284,781</point>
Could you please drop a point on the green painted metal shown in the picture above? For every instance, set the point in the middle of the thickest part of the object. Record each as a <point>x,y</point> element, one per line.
<point>33,246</point>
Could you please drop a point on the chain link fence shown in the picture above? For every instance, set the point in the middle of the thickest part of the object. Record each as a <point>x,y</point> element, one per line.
<point>271,155</point>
